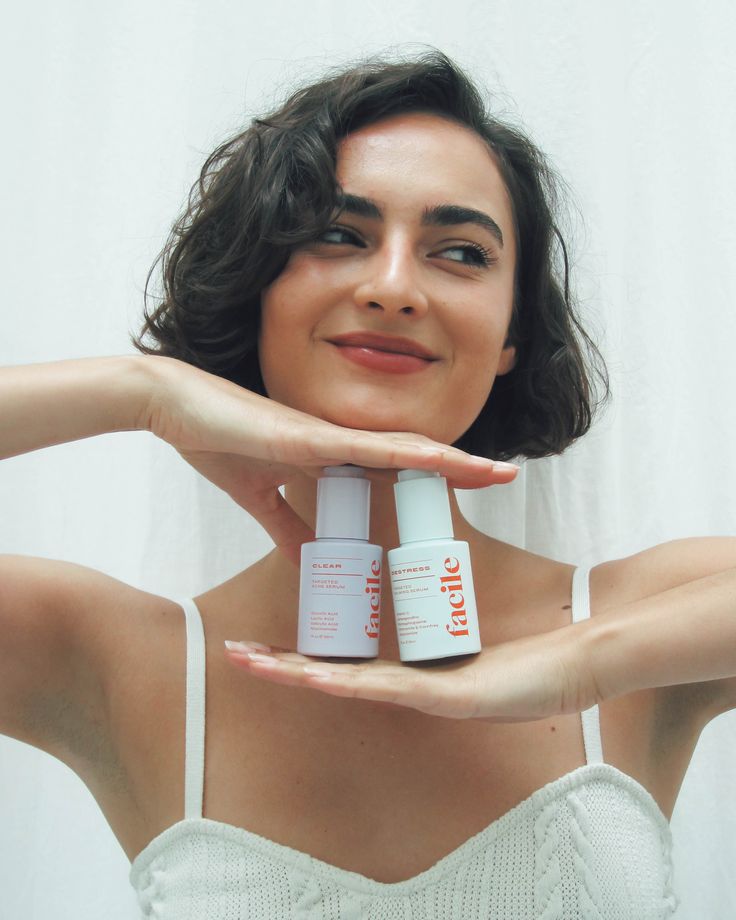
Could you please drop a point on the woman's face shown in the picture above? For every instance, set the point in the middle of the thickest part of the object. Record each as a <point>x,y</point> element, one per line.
<point>421,259</point>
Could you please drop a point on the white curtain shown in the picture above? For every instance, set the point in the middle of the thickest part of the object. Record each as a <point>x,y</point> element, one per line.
<point>108,110</point>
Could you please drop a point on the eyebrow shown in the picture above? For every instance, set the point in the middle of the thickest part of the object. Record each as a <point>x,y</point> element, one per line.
<point>441,215</point>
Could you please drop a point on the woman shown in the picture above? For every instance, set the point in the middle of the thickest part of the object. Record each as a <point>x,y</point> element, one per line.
<point>379,211</point>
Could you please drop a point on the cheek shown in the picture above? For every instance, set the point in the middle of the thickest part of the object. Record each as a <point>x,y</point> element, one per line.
<point>274,346</point>
<point>483,335</point>
<point>288,318</point>
<point>478,357</point>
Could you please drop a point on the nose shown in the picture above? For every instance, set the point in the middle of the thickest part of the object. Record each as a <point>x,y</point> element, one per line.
<point>391,282</point>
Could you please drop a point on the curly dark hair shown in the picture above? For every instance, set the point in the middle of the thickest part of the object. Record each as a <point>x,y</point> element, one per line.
<point>273,187</point>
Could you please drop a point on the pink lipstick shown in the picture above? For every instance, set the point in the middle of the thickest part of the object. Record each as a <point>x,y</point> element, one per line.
<point>390,354</point>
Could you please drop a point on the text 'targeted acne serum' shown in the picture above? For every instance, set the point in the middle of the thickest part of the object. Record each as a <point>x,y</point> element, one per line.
<point>340,584</point>
<point>431,579</point>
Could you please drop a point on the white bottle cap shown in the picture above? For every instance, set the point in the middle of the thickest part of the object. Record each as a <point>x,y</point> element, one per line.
<point>422,506</point>
<point>343,503</point>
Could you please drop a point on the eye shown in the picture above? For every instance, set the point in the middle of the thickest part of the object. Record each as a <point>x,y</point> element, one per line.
<point>472,254</point>
<point>479,255</point>
<point>348,237</point>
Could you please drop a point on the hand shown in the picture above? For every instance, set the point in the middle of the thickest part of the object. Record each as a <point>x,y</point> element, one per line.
<point>249,445</point>
<point>530,678</point>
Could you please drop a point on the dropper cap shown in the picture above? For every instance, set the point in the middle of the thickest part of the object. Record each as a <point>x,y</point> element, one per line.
<point>343,503</point>
<point>422,506</point>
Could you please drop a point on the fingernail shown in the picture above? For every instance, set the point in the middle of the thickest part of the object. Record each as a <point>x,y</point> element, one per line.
<point>246,647</point>
<point>502,467</point>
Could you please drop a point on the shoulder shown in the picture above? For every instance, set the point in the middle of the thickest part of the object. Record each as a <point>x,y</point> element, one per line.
<point>92,612</point>
<point>70,631</point>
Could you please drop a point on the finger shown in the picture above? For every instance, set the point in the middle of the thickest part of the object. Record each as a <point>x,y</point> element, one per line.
<point>382,682</point>
<point>276,667</point>
<point>473,480</point>
<point>499,474</point>
<point>333,445</point>
<point>479,474</point>
<point>246,646</point>
<point>397,687</point>
<point>246,652</point>
<point>449,689</point>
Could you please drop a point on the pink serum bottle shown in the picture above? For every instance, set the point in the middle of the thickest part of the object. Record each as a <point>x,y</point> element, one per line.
<point>431,578</point>
<point>340,584</point>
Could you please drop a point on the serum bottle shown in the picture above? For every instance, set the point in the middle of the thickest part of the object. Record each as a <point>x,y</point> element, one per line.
<point>340,581</point>
<point>431,578</point>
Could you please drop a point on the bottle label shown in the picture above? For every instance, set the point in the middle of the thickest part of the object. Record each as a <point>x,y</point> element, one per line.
<point>434,601</point>
<point>340,599</point>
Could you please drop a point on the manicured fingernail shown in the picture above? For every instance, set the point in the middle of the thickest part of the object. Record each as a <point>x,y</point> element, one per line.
<point>503,467</point>
<point>318,673</point>
<point>245,647</point>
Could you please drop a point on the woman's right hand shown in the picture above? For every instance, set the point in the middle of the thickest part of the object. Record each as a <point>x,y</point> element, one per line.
<point>249,445</point>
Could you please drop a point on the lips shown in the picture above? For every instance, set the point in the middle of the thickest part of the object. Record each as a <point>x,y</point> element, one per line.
<point>388,343</point>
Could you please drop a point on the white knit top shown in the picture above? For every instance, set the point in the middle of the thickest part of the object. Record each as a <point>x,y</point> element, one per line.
<point>591,845</point>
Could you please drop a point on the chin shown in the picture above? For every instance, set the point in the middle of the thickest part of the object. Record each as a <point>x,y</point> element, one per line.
<point>389,420</point>
<point>370,421</point>
<point>369,411</point>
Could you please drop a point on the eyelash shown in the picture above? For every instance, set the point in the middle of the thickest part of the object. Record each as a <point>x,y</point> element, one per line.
<point>485,256</point>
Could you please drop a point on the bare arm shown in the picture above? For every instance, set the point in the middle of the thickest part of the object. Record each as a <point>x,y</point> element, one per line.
<point>669,619</point>
<point>50,693</point>
<point>246,444</point>
<point>53,613</point>
<point>683,632</point>
<point>46,404</point>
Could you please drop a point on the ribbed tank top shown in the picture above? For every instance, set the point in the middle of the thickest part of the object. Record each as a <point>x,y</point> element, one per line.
<point>590,845</point>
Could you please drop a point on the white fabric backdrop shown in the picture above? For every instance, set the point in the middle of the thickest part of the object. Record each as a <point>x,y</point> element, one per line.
<point>108,111</point>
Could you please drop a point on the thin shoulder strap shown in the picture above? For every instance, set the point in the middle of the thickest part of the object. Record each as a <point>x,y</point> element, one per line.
<point>590,717</point>
<point>195,703</point>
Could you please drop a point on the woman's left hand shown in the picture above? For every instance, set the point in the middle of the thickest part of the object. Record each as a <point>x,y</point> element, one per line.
<point>530,678</point>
